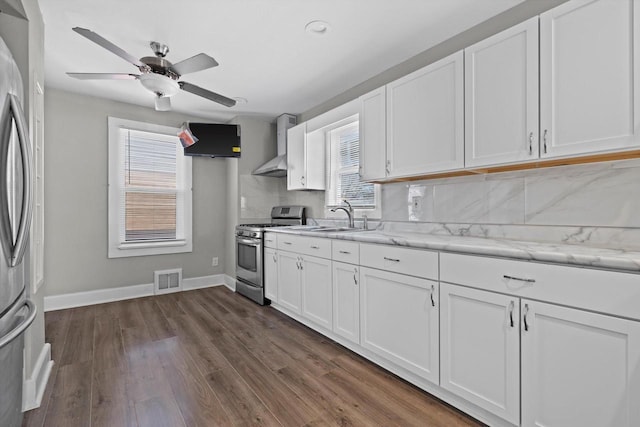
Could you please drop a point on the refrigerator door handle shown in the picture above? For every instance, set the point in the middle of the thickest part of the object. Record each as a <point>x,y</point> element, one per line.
<point>22,238</point>
<point>15,332</point>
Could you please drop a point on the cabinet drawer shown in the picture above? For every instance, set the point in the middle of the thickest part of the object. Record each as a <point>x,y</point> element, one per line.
<point>270,240</point>
<point>344,251</point>
<point>602,291</point>
<point>315,246</point>
<point>414,262</point>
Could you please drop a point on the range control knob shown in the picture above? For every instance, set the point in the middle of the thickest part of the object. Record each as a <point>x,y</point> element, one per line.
<point>254,234</point>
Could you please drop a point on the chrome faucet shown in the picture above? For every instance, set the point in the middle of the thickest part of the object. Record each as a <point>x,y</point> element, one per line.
<point>349,212</point>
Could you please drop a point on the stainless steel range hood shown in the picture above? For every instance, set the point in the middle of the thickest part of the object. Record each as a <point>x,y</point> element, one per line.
<point>277,167</point>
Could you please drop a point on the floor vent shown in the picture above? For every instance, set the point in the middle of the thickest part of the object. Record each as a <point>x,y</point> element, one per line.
<point>166,281</point>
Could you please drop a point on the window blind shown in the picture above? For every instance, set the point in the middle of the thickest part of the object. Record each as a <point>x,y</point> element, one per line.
<point>151,195</point>
<point>344,177</point>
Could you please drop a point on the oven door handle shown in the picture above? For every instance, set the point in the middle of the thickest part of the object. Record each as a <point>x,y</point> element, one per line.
<point>250,242</point>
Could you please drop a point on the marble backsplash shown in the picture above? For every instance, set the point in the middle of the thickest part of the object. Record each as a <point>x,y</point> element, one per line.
<point>595,204</point>
<point>258,194</point>
<point>594,195</point>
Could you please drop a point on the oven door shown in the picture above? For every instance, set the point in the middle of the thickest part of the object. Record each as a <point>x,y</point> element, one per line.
<point>249,260</point>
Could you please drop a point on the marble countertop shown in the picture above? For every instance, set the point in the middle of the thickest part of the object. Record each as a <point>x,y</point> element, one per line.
<point>560,253</point>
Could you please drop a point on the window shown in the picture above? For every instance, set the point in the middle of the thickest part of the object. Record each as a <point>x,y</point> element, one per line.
<point>149,190</point>
<point>343,181</point>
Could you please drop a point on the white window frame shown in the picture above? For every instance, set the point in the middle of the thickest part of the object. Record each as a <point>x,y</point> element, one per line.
<point>331,178</point>
<point>119,249</point>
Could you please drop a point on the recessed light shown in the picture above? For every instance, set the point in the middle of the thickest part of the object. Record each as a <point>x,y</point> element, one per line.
<point>240,100</point>
<point>317,28</point>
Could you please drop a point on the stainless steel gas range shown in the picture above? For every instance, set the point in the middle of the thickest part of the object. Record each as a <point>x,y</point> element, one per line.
<point>249,250</point>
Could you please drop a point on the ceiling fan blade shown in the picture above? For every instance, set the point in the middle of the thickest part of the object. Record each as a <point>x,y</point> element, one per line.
<point>163,103</point>
<point>215,97</point>
<point>103,76</point>
<point>198,62</point>
<point>101,41</point>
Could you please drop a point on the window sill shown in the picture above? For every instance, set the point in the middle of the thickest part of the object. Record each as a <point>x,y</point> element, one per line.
<point>154,244</point>
<point>124,250</point>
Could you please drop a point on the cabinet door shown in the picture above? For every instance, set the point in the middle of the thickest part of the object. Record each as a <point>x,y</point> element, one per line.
<point>425,126</point>
<point>480,349</point>
<point>578,368</point>
<point>399,320</point>
<point>346,301</point>
<point>289,281</point>
<point>271,274</point>
<point>589,86</point>
<point>314,161</point>
<point>373,136</point>
<point>501,97</point>
<point>296,137</point>
<point>317,290</point>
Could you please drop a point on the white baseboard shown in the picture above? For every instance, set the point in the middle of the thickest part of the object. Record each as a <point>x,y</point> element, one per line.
<point>202,282</point>
<point>80,299</point>
<point>34,386</point>
<point>230,282</point>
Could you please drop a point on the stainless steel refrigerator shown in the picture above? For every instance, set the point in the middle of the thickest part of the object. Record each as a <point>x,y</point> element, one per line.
<point>16,181</point>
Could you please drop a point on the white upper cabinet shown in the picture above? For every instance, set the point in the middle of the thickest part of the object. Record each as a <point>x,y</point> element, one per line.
<point>589,88</point>
<point>373,154</point>
<point>425,126</point>
<point>305,159</point>
<point>501,97</point>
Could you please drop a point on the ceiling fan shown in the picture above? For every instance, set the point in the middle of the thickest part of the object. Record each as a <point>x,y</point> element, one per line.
<point>157,74</point>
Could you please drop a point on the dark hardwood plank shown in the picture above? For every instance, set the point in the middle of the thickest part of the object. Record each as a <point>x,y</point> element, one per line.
<point>159,411</point>
<point>111,404</point>
<point>335,408</point>
<point>78,346</point>
<point>108,346</point>
<point>156,322</point>
<point>242,404</point>
<point>198,404</point>
<point>70,403</point>
<point>401,394</point>
<point>285,405</point>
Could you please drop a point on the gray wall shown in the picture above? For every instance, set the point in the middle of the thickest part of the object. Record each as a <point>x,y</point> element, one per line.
<point>509,18</point>
<point>76,200</point>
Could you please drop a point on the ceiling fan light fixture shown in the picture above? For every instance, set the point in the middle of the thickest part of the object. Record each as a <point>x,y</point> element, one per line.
<point>159,84</point>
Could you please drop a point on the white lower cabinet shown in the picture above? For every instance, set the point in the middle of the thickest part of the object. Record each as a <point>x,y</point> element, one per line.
<point>399,320</point>
<point>289,295</point>
<point>271,274</point>
<point>346,301</point>
<point>315,282</point>
<point>480,348</point>
<point>579,368</point>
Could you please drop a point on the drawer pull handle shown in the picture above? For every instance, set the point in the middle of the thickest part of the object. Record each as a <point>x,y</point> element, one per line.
<point>392,259</point>
<point>524,317</point>
<point>511,307</point>
<point>345,252</point>
<point>315,247</point>
<point>519,279</point>
<point>433,289</point>
<point>287,243</point>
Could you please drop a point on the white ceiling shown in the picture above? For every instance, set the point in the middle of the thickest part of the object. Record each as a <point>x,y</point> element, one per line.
<point>265,55</point>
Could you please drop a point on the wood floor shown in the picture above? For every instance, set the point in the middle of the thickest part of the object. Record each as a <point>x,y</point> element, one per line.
<point>210,357</point>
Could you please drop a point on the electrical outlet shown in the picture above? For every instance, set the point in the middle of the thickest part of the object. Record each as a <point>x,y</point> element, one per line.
<point>214,261</point>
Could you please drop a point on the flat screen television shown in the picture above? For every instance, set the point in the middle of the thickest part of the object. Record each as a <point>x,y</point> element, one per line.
<point>214,140</point>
